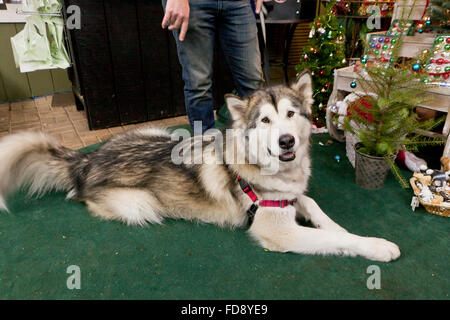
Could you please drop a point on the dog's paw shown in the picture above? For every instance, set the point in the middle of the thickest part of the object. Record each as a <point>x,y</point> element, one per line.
<point>378,249</point>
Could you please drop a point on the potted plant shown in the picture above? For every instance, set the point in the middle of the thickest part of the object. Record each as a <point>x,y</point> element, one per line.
<point>384,121</point>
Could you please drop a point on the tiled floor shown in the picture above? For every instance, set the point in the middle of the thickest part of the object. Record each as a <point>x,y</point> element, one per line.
<point>65,123</point>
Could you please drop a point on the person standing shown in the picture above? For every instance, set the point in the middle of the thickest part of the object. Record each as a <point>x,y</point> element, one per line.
<point>194,24</point>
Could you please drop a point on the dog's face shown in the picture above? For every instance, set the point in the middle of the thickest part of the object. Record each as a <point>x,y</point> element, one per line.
<point>275,121</point>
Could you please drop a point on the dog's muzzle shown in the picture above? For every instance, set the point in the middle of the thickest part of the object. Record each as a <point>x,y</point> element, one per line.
<point>286,143</point>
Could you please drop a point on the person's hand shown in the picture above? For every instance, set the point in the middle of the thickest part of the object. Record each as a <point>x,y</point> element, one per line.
<point>258,5</point>
<point>176,16</point>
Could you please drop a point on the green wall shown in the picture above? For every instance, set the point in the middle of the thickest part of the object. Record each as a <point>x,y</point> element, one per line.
<point>15,85</point>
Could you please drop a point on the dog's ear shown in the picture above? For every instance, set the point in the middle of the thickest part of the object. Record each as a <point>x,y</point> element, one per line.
<point>236,106</point>
<point>303,86</point>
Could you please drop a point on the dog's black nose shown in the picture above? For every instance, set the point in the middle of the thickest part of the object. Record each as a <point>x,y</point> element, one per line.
<point>286,141</point>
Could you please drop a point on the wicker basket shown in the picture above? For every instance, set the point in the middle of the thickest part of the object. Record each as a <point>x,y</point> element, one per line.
<point>442,209</point>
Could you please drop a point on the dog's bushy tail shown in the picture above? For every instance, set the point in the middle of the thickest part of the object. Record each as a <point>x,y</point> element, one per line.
<point>34,160</point>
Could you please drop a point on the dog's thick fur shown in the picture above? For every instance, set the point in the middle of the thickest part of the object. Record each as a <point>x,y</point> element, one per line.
<point>132,177</point>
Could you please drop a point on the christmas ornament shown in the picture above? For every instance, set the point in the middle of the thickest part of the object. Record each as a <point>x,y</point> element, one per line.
<point>404,28</point>
<point>379,50</point>
<point>353,84</point>
<point>416,67</point>
<point>438,66</point>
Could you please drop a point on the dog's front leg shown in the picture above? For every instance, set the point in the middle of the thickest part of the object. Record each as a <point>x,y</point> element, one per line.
<point>310,210</point>
<point>277,230</point>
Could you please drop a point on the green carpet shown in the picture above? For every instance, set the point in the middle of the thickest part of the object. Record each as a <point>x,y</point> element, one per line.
<point>185,260</point>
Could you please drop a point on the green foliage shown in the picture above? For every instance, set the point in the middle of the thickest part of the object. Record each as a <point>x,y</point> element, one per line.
<point>439,11</point>
<point>395,170</point>
<point>324,53</point>
<point>389,122</point>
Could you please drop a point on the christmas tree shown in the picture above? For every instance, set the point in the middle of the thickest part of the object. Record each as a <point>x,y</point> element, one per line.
<point>439,11</point>
<point>324,53</point>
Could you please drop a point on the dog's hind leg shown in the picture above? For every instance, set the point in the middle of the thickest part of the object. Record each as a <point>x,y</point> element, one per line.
<point>310,210</point>
<point>277,230</point>
<point>132,206</point>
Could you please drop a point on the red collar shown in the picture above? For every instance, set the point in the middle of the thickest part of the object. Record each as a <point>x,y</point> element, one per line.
<point>261,203</point>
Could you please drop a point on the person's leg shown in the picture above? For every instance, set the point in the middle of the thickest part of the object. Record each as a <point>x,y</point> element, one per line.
<point>195,54</point>
<point>238,36</point>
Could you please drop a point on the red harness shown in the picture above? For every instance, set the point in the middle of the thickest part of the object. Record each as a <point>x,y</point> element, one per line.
<point>261,203</point>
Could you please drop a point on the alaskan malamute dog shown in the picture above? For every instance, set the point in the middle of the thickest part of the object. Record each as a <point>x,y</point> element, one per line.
<point>133,177</point>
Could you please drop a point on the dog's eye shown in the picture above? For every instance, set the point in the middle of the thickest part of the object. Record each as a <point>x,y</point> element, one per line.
<point>265,120</point>
<point>290,114</point>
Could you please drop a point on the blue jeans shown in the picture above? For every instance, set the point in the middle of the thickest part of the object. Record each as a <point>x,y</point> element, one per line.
<point>235,25</point>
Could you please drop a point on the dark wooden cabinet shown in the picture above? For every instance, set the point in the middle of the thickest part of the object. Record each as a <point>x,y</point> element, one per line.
<point>125,67</point>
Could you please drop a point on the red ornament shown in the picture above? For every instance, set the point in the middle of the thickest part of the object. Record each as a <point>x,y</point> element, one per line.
<point>432,61</point>
<point>440,61</point>
<point>318,24</point>
<point>387,40</point>
<point>448,40</point>
<point>378,46</point>
<point>446,75</point>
